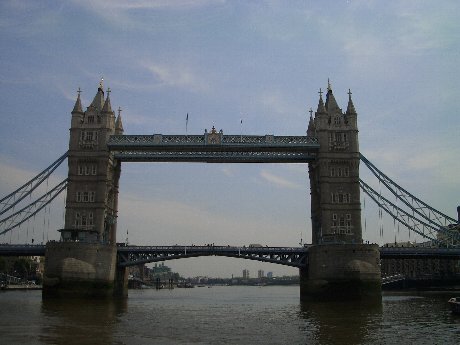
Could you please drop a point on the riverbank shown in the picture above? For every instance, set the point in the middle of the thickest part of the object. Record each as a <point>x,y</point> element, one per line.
<point>20,287</point>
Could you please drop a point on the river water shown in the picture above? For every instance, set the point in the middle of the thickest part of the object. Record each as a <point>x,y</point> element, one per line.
<point>227,315</point>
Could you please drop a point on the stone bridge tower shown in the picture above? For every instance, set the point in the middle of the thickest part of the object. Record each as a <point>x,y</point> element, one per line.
<point>334,175</point>
<point>92,192</point>
<point>84,261</point>
<point>339,265</point>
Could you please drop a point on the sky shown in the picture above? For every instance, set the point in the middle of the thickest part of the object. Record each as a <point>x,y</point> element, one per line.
<point>223,62</point>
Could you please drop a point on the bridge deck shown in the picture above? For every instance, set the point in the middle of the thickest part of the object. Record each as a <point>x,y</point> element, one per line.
<point>289,256</point>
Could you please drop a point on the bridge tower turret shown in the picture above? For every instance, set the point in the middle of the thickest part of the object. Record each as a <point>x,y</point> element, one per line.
<point>334,176</point>
<point>92,192</point>
<point>339,265</point>
<point>83,263</point>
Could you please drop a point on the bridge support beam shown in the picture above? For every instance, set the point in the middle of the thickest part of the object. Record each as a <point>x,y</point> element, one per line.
<point>341,271</point>
<point>76,269</point>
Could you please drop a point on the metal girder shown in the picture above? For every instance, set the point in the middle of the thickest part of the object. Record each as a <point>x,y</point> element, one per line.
<point>215,157</point>
<point>418,252</point>
<point>22,250</point>
<point>288,256</point>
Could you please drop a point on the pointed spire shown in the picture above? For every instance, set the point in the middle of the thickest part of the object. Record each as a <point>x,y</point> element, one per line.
<point>107,108</point>
<point>77,108</point>
<point>101,85</point>
<point>331,103</point>
<point>321,109</point>
<point>350,107</point>
<point>118,123</point>
<point>98,101</point>
<point>311,131</point>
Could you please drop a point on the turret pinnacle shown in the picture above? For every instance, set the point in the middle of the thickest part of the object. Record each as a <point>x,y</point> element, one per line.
<point>118,123</point>
<point>350,107</point>
<point>77,107</point>
<point>107,108</point>
<point>311,125</point>
<point>331,103</point>
<point>98,101</point>
<point>321,109</point>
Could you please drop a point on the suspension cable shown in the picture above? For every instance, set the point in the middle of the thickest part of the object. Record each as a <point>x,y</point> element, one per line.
<point>32,209</point>
<point>11,200</point>
<point>434,216</point>
<point>419,226</point>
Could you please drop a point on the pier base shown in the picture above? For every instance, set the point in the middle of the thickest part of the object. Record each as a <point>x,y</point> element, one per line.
<point>76,269</point>
<point>341,271</point>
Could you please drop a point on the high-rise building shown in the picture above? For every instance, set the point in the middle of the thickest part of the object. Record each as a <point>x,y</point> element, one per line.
<point>260,274</point>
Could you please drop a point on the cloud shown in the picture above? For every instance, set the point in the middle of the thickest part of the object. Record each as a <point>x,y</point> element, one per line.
<point>29,19</point>
<point>123,5</point>
<point>177,221</point>
<point>122,13</point>
<point>176,75</point>
<point>278,181</point>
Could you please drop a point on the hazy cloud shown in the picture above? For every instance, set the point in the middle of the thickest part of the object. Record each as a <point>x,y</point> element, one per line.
<point>278,181</point>
<point>176,75</point>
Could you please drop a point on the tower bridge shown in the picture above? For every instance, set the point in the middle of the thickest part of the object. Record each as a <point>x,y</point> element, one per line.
<point>87,260</point>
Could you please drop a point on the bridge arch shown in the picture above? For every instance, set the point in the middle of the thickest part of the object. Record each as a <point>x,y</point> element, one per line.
<point>287,256</point>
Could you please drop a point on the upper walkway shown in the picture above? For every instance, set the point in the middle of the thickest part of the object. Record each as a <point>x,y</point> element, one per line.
<point>213,147</point>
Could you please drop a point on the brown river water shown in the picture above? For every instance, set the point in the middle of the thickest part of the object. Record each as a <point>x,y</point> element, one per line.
<point>227,315</point>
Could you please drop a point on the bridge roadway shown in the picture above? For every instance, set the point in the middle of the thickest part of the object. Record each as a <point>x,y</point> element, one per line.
<point>289,256</point>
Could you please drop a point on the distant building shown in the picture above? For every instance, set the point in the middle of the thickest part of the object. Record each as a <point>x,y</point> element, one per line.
<point>245,274</point>
<point>270,275</point>
<point>453,228</point>
<point>260,274</point>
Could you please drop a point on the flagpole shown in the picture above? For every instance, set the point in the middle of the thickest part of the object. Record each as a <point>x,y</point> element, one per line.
<point>186,124</point>
<point>241,130</point>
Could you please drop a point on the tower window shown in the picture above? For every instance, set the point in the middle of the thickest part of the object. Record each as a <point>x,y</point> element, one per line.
<point>86,196</point>
<point>88,138</point>
<point>87,169</point>
<point>332,172</point>
<point>341,198</point>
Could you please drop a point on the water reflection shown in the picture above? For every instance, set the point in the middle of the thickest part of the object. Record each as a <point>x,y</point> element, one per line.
<point>78,321</point>
<point>342,322</point>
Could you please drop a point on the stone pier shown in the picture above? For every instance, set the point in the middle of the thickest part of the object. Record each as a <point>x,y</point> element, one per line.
<point>341,271</point>
<point>80,269</point>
